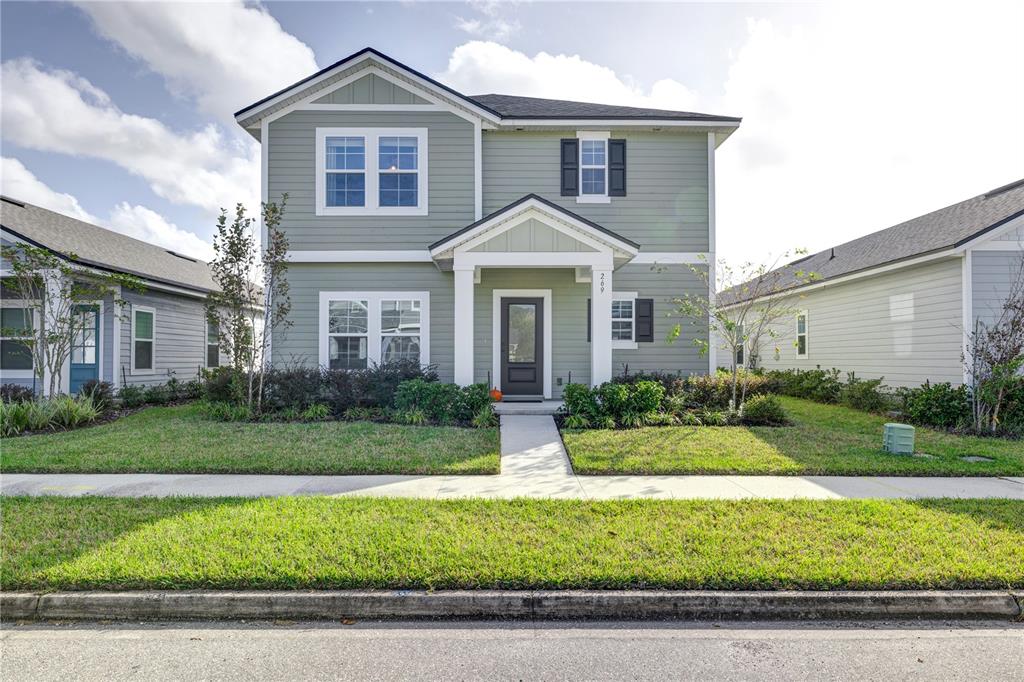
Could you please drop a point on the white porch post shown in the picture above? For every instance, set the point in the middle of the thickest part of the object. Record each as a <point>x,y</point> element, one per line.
<point>463,324</point>
<point>600,324</point>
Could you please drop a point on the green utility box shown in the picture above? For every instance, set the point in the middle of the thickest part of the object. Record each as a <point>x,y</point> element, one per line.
<point>898,439</point>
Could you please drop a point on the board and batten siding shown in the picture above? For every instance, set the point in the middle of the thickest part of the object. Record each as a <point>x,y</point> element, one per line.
<point>993,274</point>
<point>371,89</point>
<point>450,181</point>
<point>179,349</point>
<point>666,206</point>
<point>903,325</point>
<point>299,344</point>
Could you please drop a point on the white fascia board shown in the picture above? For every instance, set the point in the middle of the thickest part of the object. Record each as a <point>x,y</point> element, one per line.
<point>532,259</point>
<point>584,123</point>
<point>418,256</point>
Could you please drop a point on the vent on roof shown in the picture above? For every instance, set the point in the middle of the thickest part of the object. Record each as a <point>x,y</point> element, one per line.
<point>12,201</point>
<point>178,255</point>
<point>1004,188</point>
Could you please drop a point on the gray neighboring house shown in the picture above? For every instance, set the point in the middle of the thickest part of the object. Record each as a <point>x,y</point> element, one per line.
<point>522,241</point>
<point>898,303</point>
<point>161,333</point>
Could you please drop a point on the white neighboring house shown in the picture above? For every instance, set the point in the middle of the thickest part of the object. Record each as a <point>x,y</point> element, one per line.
<point>900,302</point>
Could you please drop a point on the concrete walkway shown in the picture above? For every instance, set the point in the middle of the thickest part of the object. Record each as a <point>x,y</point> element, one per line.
<point>533,464</point>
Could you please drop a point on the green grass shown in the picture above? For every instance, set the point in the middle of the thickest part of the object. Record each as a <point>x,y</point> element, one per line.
<point>825,439</point>
<point>180,440</point>
<point>318,542</point>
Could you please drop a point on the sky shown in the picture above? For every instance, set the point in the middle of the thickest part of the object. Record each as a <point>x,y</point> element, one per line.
<point>855,116</point>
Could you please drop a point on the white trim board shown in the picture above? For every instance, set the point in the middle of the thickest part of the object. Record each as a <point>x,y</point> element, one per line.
<point>360,256</point>
<point>496,296</point>
<point>151,370</point>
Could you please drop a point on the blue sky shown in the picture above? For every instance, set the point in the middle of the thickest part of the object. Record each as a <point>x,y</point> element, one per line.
<point>856,116</point>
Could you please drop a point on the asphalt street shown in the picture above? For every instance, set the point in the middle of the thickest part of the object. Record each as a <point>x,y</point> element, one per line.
<point>285,650</point>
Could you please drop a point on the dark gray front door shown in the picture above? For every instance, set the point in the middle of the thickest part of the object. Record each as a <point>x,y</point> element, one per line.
<point>522,346</point>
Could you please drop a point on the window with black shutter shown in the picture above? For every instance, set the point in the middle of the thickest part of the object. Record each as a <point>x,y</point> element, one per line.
<point>643,320</point>
<point>616,168</point>
<point>570,167</point>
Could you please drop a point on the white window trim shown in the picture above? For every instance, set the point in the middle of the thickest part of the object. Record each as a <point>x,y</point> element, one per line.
<point>806,334</point>
<point>152,370</point>
<point>602,136</point>
<point>206,346</point>
<point>626,296</point>
<point>28,305</point>
<point>374,336</point>
<point>371,137</point>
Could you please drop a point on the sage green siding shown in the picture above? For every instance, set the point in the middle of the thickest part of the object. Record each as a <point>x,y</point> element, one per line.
<point>532,236</point>
<point>292,170</point>
<point>666,207</point>
<point>299,344</point>
<point>371,89</point>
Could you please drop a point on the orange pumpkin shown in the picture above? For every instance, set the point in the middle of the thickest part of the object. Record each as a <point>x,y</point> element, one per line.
<point>495,394</point>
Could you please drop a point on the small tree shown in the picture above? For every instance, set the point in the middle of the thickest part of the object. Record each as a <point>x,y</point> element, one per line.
<point>753,302</point>
<point>52,288</point>
<point>253,298</point>
<point>994,355</point>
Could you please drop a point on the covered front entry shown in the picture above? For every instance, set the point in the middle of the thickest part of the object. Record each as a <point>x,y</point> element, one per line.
<point>532,233</point>
<point>522,346</point>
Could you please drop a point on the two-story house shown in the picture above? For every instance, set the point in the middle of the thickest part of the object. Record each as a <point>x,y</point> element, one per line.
<point>518,241</point>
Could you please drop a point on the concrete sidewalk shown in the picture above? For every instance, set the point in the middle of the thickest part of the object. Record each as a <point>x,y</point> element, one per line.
<point>534,463</point>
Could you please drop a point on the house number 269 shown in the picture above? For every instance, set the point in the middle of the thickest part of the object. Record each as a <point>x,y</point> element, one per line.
<point>602,282</point>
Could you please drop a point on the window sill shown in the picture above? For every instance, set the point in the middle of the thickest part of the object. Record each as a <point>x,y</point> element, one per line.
<point>362,211</point>
<point>624,345</point>
<point>593,199</point>
<point>15,374</point>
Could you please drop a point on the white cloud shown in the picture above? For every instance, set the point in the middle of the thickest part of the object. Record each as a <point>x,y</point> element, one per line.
<point>492,25</point>
<point>480,67</point>
<point>852,124</point>
<point>149,226</point>
<point>226,55</point>
<point>18,182</point>
<point>59,111</point>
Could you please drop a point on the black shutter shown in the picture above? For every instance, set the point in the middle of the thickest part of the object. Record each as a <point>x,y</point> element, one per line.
<point>616,168</point>
<point>589,325</point>
<point>643,316</point>
<point>570,167</point>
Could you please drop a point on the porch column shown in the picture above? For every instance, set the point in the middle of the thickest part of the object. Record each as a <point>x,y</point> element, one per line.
<point>601,324</point>
<point>463,324</point>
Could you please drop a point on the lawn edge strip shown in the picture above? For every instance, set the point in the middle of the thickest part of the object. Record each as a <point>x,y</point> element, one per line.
<point>511,604</point>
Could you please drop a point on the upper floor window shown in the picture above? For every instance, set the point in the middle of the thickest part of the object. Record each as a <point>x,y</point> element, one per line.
<point>371,171</point>
<point>593,167</point>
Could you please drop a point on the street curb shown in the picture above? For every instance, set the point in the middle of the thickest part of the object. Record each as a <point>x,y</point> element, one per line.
<point>510,604</point>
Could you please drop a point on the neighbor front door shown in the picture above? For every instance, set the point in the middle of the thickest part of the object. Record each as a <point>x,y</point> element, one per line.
<point>85,353</point>
<point>522,346</point>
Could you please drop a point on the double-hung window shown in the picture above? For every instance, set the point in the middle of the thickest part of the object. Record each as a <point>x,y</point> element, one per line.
<point>622,320</point>
<point>212,343</point>
<point>15,355</point>
<point>358,329</point>
<point>593,180</point>
<point>371,171</point>
<point>801,334</point>
<point>143,339</point>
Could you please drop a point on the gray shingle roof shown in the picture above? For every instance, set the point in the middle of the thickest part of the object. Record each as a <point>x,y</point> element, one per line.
<point>936,231</point>
<point>510,106</point>
<point>97,246</point>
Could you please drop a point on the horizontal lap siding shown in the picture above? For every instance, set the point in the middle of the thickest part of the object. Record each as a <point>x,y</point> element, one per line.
<point>994,274</point>
<point>451,186</point>
<point>299,344</point>
<point>180,331</point>
<point>666,285</point>
<point>872,327</point>
<point>666,207</point>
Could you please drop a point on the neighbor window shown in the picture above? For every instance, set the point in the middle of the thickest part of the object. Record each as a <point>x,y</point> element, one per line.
<point>360,329</point>
<point>593,167</point>
<point>740,345</point>
<point>371,171</point>
<point>15,324</point>
<point>212,343</point>
<point>143,336</point>
<point>801,334</point>
<point>622,320</point>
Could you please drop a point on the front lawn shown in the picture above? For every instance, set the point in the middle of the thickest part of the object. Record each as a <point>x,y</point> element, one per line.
<point>318,542</point>
<point>825,439</point>
<point>181,440</point>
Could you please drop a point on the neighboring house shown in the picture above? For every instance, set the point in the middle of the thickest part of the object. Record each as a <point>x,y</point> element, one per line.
<point>515,240</point>
<point>160,333</point>
<point>899,303</point>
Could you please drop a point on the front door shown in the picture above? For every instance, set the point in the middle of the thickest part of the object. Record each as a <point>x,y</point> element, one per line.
<point>85,354</point>
<point>522,346</point>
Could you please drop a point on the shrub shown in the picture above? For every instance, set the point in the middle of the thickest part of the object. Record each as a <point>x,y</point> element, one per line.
<point>864,394</point>
<point>317,412</point>
<point>646,397</point>
<point>223,384</point>
<point>68,412</point>
<point>101,393</point>
<point>132,396</point>
<point>298,387</point>
<point>366,414</point>
<point>158,394</point>
<point>338,391</point>
<point>673,382</point>
<point>377,384</point>
<point>485,418</point>
<point>940,405</point>
<point>441,403</point>
<point>226,412</point>
<point>411,417</point>
<point>192,390</point>
<point>763,410</point>
<point>576,421</point>
<point>62,412</point>
<point>580,400</point>
<point>714,391</point>
<point>614,399</point>
<point>16,393</point>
